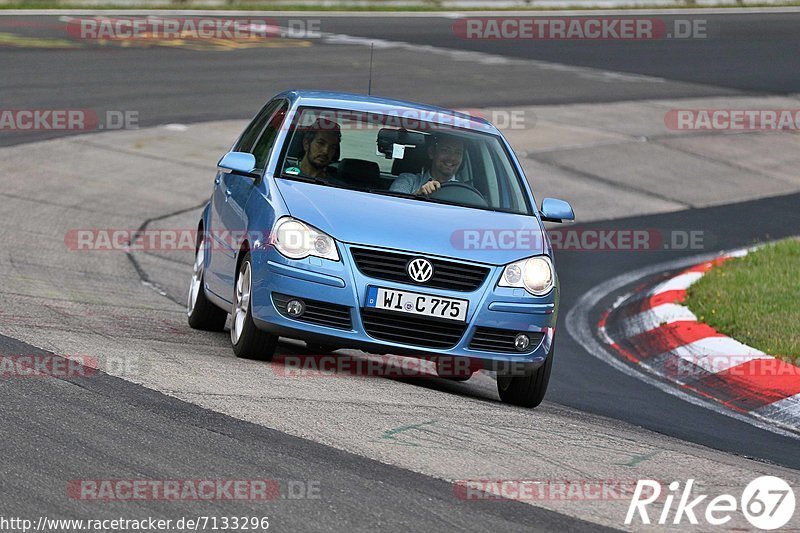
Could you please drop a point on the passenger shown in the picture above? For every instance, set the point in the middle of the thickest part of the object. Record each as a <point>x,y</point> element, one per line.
<point>446,155</point>
<point>321,146</point>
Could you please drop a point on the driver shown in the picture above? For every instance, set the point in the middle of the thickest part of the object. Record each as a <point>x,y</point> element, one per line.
<point>321,148</point>
<point>446,155</point>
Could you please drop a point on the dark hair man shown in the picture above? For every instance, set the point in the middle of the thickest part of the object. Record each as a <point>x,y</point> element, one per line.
<point>321,146</point>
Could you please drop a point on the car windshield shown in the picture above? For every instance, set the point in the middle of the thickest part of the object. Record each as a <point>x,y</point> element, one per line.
<point>402,155</point>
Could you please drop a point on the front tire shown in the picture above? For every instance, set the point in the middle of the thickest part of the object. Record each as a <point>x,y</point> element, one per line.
<point>526,391</point>
<point>201,312</point>
<point>247,340</point>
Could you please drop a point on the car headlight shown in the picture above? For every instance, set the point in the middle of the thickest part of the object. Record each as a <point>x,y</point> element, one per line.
<point>534,274</point>
<point>298,240</point>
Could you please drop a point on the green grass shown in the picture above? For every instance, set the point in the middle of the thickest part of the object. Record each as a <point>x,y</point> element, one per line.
<point>755,299</point>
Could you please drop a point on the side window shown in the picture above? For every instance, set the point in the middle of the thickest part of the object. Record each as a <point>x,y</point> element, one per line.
<point>248,138</point>
<point>511,192</point>
<point>264,144</point>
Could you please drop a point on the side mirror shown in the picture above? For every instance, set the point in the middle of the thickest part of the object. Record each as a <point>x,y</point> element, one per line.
<point>554,210</point>
<point>239,163</point>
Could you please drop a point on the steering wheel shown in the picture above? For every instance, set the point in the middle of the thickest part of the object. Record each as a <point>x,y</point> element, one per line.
<point>460,193</point>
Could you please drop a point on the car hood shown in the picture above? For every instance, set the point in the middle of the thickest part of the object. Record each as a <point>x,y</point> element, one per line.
<point>357,217</point>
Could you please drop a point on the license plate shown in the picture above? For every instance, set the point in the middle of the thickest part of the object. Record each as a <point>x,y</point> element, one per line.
<point>417,304</point>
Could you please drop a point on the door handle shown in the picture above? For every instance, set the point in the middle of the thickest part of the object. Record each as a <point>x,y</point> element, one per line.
<point>227,194</point>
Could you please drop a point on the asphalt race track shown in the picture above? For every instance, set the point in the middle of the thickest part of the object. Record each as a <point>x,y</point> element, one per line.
<point>384,452</point>
<point>741,55</point>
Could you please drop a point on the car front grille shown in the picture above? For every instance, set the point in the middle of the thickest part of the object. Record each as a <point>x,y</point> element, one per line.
<point>502,340</point>
<point>418,331</point>
<point>316,312</point>
<point>391,266</point>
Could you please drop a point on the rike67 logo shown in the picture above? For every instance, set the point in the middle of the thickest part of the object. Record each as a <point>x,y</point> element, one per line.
<point>767,503</point>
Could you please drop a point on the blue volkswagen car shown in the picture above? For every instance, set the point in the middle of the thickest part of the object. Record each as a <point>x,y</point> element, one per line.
<point>351,221</point>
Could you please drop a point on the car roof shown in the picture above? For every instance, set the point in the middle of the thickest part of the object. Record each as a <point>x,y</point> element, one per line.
<point>390,106</point>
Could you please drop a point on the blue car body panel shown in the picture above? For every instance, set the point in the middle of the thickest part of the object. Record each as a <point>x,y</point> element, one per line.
<point>358,217</point>
<point>424,229</point>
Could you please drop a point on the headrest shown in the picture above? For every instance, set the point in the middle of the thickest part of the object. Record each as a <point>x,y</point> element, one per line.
<point>359,172</point>
<point>415,159</point>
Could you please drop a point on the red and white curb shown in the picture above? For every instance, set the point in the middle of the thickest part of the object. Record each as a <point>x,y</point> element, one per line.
<point>652,330</point>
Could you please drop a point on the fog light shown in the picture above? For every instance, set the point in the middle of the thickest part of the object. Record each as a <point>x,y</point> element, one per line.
<point>295,307</point>
<point>521,342</point>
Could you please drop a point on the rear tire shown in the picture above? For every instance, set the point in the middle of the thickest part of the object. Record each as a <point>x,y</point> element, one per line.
<point>247,340</point>
<point>526,391</point>
<point>201,312</point>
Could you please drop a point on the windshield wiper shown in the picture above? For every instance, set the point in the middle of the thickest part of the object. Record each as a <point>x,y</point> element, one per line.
<point>399,194</point>
<point>420,197</point>
<point>311,179</point>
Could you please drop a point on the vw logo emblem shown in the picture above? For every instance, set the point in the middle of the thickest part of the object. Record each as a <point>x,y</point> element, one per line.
<point>420,270</point>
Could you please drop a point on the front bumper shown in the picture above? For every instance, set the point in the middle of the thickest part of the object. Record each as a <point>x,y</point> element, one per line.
<point>341,283</point>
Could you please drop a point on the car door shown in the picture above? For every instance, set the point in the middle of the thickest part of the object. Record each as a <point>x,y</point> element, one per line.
<point>229,222</point>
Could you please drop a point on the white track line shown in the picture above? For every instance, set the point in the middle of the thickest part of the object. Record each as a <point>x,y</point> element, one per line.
<point>655,317</point>
<point>678,283</point>
<point>717,354</point>
<point>580,329</point>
